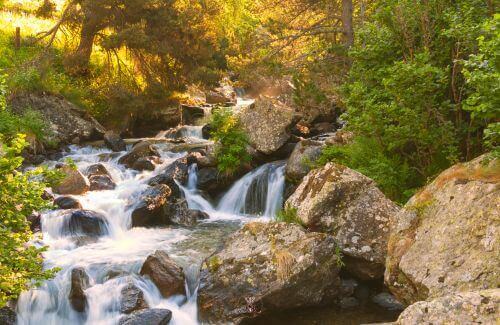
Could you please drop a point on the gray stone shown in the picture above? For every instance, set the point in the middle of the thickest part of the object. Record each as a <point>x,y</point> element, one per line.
<point>73,182</point>
<point>302,158</point>
<point>165,274</point>
<point>79,283</point>
<point>147,316</point>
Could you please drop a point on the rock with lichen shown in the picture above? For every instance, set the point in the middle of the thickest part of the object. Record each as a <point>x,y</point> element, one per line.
<point>446,239</point>
<point>348,205</point>
<point>268,267</point>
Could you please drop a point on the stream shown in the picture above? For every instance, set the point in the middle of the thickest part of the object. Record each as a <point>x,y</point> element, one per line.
<point>114,261</point>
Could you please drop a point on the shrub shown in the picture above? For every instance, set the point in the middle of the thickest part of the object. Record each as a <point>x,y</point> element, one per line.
<point>289,215</point>
<point>231,141</point>
<point>20,195</point>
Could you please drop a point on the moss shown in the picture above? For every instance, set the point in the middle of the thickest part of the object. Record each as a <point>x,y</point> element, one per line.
<point>214,263</point>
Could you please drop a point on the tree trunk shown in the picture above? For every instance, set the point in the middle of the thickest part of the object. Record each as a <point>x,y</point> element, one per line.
<point>347,26</point>
<point>84,51</point>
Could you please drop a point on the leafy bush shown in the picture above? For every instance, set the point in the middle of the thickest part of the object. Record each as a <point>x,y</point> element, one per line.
<point>20,195</point>
<point>289,215</point>
<point>231,141</point>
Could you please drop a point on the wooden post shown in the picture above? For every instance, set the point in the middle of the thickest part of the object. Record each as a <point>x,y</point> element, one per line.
<point>17,40</point>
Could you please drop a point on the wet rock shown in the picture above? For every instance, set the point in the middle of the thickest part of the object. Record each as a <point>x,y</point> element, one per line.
<point>446,238</point>
<point>268,123</point>
<point>146,163</point>
<point>322,128</point>
<point>478,307</point>
<point>132,299</point>
<point>67,202</point>
<point>84,223</point>
<point>165,273</point>
<point>387,301</point>
<point>101,183</point>
<point>151,207</point>
<point>79,283</point>
<point>268,267</point>
<point>175,172</point>
<point>65,120</point>
<point>47,196</point>
<point>148,122</point>
<point>113,141</point>
<point>193,216</point>
<point>147,316</point>
<point>34,220</point>
<point>191,113</point>
<point>139,150</point>
<point>97,169</point>
<point>7,316</point>
<point>303,156</point>
<point>73,183</point>
<point>348,205</point>
<point>348,302</point>
<point>209,180</point>
<point>206,131</point>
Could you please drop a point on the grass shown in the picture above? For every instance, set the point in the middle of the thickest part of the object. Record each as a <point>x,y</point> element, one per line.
<point>289,215</point>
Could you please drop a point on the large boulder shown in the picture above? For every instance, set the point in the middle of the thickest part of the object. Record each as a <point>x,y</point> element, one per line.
<point>67,202</point>
<point>446,239</point>
<point>165,274</point>
<point>303,156</point>
<point>477,307</point>
<point>221,95</point>
<point>190,114</point>
<point>79,283</point>
<point>67,122</point>
<point>84,223</point>
<point>139,150</point>
<point>7,316</point>
<point>154,316</point>
<point>146,163</point>
<point>348,205</point>
<point>151,206</point>
<point>113,141</point>
<point>132,299</point>
<point>73,182</point>
<point>268,267</point>
<point>268,123</point>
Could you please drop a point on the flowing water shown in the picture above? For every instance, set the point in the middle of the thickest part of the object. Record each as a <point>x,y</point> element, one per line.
<point>123,251</point>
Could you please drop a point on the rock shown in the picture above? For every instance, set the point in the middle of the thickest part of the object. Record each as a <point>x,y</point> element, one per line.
<point>190,114</point>
<point>113,141</point>
<point>34,220</point>
<point>73,183</point>
<point>322,128</point>
<point>140,150</point>
<point>221,95</point>
<point>47,196</point>
<point>165,274</point>
<point>206,131</point>
<point>101,183</point>
<point>303,156</point>
<point>79,283</point>
<point>477,307</point>
<point>132,299</point>
<point>268,123</point>
<point>268,267</point>
<point>151,207</point>
<point>176,171</point>
<point>340,137</point>
<point>346,204</point>
<point>65,120</point>
<point>348,302</point>
<point>387,301</point>
<point>84,223</point>
<point>148,122</point>
<point>67,202</point>
<point>193,216</point>
<point>209,179</point>
<point>147,316</point>
<point>97,169</point>
<point>7,316</point>
<point>146,163</point>
<point>446,239</point>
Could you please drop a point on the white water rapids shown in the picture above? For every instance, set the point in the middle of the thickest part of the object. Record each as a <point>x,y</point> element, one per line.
<point>123,251</point>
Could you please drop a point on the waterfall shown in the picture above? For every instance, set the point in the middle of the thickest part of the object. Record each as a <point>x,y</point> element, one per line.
<point>260,192</point>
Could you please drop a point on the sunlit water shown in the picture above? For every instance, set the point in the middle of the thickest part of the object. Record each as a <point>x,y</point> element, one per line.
<point>124,249</point>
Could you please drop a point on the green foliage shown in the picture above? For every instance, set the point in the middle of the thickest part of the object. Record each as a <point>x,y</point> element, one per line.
<point>289,215</point>
<point>482,73</point>
<point>232,141</point>
<point>406,93</point>
<point>338,253</point>
<point>20,195</point>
